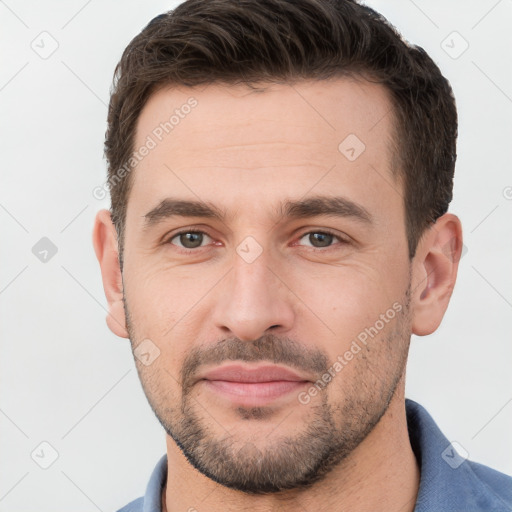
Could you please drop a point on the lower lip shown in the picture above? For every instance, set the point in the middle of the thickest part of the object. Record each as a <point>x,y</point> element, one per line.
<point>254,393</point>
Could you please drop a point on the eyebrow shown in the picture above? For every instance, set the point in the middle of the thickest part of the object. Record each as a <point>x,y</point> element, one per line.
<point>326,205</point>
<point>181,208</point>
<point>297,209</point>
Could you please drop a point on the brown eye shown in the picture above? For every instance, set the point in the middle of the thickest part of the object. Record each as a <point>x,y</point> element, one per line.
<point>319,239</point>
<point>189,239</point>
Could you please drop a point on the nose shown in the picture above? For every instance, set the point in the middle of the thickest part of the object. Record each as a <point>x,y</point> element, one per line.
<point>254,301</point>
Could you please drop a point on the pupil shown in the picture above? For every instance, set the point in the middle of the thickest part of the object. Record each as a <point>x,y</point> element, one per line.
<point>191,240</point>
<point>320,239</point>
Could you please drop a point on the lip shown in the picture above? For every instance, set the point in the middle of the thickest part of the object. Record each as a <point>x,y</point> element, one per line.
<point>240,373</point>
<point>252,386</point>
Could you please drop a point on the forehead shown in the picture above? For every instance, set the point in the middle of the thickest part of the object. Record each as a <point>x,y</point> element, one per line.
<point>224,140</point>
<point>313,111</point>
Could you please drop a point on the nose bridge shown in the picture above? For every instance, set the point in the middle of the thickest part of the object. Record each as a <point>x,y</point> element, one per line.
<point>254,280</point>
<point>253,299</point>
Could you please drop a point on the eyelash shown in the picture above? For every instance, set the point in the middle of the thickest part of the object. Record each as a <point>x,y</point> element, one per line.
<point>184,250</point>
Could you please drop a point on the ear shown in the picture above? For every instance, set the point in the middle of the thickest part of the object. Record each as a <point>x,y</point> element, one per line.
<point>104,239</point>
<point>434,273</point>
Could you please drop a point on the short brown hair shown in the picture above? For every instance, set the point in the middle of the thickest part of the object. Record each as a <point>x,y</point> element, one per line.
<point>249,41</point>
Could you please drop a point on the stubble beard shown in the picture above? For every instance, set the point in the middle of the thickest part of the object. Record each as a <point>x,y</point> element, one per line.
<point>331,432</point>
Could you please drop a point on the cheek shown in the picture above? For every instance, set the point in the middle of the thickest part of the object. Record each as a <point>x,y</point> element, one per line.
<point>347,298</point>
<point>367,366</point>
<point>165,307</point>
<point>161,298</point>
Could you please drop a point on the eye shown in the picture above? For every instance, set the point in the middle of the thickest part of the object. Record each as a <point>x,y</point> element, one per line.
<point>320,239</point>
<point>189,239</point>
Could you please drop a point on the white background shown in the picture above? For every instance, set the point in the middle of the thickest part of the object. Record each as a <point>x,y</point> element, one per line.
<point>66,380</point>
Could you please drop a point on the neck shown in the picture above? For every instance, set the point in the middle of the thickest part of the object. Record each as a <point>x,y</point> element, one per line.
<point>380,474</point>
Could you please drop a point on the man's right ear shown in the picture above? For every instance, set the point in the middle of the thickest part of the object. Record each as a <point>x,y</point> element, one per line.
<point>104,239</point>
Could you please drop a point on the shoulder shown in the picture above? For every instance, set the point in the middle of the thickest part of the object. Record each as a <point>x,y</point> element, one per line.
<point>450,481</point>
<point>133,506</point>
<point>151,501</point>
<point>493,483</point>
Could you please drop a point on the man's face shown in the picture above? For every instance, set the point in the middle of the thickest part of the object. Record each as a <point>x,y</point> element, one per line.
<point>248,309</point>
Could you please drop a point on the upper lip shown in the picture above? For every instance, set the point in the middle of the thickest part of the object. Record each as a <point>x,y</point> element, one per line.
<point>241,373</point>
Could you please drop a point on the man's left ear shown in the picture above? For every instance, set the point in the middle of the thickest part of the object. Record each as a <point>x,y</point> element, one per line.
<point>434,271</point>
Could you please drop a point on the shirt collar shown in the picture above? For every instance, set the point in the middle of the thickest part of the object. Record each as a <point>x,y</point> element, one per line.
<point>448,481</point>
<point>153,496</point>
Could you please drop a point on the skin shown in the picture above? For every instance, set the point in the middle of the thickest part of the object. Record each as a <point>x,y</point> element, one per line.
<point>246,153</point>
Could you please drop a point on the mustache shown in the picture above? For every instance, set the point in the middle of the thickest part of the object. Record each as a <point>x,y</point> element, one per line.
<point>268,348</point>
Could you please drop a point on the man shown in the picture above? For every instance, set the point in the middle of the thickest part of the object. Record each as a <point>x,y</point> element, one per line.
<point>280,174</point>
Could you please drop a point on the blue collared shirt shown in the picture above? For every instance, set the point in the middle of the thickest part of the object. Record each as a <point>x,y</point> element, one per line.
<point>448,483</point>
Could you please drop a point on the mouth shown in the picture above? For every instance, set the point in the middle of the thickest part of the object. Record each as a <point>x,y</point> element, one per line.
<point>253,386</point>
